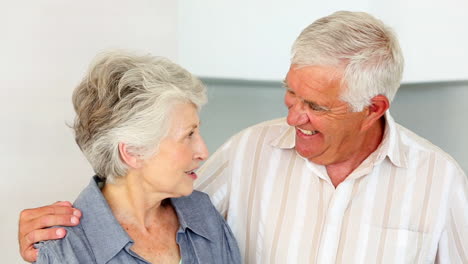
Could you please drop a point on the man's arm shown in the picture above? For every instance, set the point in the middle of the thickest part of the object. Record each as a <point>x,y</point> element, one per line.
<point>32,224</point>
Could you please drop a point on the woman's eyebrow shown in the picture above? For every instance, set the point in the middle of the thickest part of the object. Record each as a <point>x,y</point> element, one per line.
<point>192,126</point>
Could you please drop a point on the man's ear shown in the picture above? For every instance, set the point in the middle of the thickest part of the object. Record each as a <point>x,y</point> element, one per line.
<point>377,108</point>
<point>129,158</point>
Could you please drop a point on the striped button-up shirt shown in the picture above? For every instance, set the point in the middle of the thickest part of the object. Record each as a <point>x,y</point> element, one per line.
<point>406,203</point>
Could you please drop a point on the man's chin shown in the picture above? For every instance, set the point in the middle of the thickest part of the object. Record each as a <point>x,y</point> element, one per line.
<point>316,158</point>
<point>307,155</point>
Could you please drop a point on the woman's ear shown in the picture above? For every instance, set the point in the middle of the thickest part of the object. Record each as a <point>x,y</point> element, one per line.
<point>129,158</point>
<point>377,108</point>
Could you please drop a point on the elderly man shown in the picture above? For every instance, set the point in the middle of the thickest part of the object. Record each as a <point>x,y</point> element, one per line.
<point>337,181</point>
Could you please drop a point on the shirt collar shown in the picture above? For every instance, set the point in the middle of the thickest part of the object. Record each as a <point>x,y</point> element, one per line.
<point>188,209</point>
<point>99,224</point>
<point>286,138</point>
<point>391,146</point>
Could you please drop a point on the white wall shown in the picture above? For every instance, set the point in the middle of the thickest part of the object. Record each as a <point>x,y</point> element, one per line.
<point>252,39</point>
<point>45,48</point>
<point>247,39</point>
<point>433,36</point>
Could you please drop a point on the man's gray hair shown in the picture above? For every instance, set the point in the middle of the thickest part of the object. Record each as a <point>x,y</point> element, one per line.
<point>362,47</point>
<point>128,98</point>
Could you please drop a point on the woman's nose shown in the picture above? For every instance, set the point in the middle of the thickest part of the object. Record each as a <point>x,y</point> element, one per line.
<point>202,151</point>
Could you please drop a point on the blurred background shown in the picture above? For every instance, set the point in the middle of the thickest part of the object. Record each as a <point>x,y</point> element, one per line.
<point>240,49</point>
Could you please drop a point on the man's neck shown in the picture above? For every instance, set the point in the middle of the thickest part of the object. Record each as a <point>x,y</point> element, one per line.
<point>338,172</point>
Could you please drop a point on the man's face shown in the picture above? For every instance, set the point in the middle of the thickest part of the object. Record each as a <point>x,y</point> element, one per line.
<point>327,132</point>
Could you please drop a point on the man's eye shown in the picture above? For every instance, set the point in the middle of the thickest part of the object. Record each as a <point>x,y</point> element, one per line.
<point>290,92</point>
<point>316,107</point>
<point>191,133</point>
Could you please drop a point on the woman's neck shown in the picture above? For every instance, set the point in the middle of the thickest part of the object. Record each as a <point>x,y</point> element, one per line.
<point>132,202</point>
<point>148,220</point>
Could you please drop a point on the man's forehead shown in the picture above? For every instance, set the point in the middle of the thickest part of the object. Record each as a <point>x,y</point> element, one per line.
<point>333,72</point>
<point>314,76</point>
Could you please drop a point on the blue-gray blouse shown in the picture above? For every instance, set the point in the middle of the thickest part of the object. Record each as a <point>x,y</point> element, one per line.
<point>203,235</point>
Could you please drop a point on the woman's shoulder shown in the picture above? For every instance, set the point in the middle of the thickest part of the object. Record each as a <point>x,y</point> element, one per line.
<point>197,196</point>
<point>197,200</point>
<point>66,250</point>
<point>197,213</point>
<point>197,208</point>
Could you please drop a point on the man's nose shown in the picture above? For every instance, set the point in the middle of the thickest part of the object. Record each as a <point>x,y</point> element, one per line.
<point>297,114</point>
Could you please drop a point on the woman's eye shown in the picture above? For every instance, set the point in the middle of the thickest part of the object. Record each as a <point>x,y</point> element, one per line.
<point>191,133</point>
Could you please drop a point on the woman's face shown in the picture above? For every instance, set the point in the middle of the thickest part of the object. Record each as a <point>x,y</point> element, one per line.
<point>171,170</point>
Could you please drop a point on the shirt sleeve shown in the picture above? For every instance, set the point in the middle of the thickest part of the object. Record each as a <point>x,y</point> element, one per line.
<point>215,177</point>
<point>231,248</point>
<point>453,245</point>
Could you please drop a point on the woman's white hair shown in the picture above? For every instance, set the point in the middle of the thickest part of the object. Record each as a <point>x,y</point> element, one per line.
<point>128,98</point>
<point>362,47</point>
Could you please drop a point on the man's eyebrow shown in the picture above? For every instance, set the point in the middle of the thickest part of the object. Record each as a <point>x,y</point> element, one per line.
<point>314,104</point>
<point>311,103</point>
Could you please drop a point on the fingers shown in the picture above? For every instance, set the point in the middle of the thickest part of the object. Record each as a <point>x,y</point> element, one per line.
<point>44,234</point>
<point>30,255</point>
<point>63,203</point>
<point>59,208</point>
<point>53,220</point>
<point>56,215</point>
<point>29,252</point>
<point>47,216</point>
<point>32,222</point>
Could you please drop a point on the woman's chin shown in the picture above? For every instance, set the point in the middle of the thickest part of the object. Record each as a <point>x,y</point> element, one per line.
<point>188,192</point>
<point>184,191</point>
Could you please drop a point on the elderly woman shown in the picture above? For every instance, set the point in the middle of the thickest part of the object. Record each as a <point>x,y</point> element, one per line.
<point>137,123</point>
